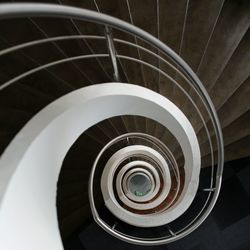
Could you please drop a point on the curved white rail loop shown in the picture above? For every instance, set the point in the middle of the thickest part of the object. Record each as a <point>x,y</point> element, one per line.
<point>30,165</point>
<point>190,187</point>
<point>108,192</point>
<point>123,178</point>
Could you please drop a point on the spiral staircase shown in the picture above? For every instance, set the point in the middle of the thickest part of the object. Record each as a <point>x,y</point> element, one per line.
<point>103,120</point>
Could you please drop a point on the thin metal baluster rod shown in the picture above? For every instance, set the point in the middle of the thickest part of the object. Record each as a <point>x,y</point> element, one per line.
<point>88,45</point>
<point>112,50</point>
<point>182,40</point>
<point>136,41</point>
<point>124,71</point>
<point>59,49</point>
<point>183,28</point>
<point>209,39</point>
<point>158,36</point>
<point>112,53</point>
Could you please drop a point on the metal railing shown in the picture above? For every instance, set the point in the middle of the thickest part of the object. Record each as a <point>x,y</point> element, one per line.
<point>170,60</point>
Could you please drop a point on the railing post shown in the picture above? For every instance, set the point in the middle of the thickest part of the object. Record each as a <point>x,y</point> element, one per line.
<point>112,52</point>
